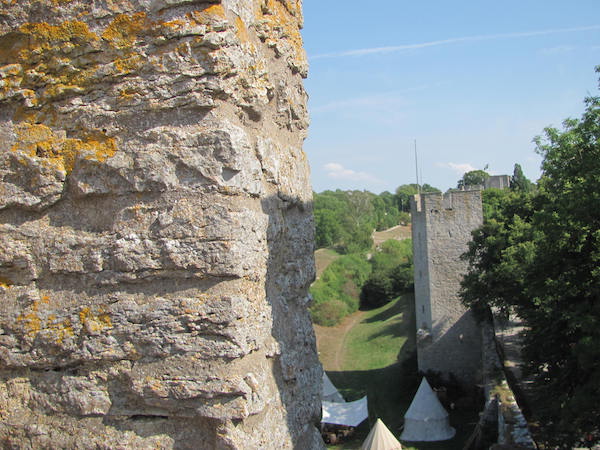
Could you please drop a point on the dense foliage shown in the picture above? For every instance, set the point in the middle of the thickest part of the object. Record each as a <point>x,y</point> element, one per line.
<point>538,254</point>
<point>346,219</point>
<point>354,280</point>
<point>473,178</point>
<point>391,274</point>
<point>336,292</point>
<point>519,181</point>
<point>406,191</point>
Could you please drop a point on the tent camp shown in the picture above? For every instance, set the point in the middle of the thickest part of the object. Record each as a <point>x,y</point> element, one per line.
<point>330,392</point>
<point>426,418</point>
<point>350,413</point>
<point>380,438</point>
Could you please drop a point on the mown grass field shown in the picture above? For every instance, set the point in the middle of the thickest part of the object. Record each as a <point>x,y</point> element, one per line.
<point>377,359</point>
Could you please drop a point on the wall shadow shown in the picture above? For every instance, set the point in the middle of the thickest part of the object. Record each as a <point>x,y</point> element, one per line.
<point>290,272</point>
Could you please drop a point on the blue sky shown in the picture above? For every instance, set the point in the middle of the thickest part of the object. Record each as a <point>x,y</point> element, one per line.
<point>472,81</point>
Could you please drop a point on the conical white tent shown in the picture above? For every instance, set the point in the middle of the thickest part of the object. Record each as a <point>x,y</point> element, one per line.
<point>426,418</point>
<point>380,438</point>
<point>330,392</point>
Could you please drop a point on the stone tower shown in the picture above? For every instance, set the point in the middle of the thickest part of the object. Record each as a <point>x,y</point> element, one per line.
<point>448,338</point>
<point>156,230</point>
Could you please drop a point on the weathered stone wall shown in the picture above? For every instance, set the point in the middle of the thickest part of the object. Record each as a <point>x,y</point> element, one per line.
<point>448,338</point>
<point>155,226</point>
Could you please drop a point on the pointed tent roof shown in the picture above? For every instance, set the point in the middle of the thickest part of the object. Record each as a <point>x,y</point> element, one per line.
<point>426,418</point>
<point>380,438</point>
<point>330,392</point>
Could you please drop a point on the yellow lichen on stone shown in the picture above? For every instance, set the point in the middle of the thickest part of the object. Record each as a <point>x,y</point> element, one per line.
<point>5,282</point>
<point>283,20</point>
<point>30,320</point>
<point>39,141</point>
<point>33,323</point>
<point>215,10</point>
<point>94,322</point>
<point>129,64</point>
<point>9,78</point>
<point>49,36</point>
<point>124,30</point>
<point>241,30</point>
<point>59,330</point>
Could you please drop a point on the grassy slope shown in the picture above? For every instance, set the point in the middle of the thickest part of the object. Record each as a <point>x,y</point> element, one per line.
<point>398,232</point>
<point>376,361</point>
<point>324,257</point>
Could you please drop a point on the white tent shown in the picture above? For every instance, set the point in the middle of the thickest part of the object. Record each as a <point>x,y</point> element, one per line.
<point>330,392</point>
<point>380,438</point>
<point>350,413</point>
<point>426,418</point>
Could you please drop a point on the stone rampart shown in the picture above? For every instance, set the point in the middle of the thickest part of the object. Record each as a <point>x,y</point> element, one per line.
<point>448,338</point>
<point>155,225</point>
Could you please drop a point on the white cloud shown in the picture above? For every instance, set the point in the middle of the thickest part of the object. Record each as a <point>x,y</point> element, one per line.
<point>339,172</point>
<point>489,37</point>
<point>459,168</point>
<point>558,50</point>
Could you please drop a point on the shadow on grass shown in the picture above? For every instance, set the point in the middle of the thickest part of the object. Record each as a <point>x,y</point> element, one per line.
<point>390,390</point>
<point>396,308</point>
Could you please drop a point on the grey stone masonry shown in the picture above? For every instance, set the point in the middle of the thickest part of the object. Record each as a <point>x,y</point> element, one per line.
<point>498,182</point>
<point>448,338</point>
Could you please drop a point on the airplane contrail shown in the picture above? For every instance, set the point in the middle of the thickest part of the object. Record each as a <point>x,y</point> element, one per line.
<point>398,48</point>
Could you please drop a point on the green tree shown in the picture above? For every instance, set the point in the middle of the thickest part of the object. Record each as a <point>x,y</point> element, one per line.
<point>391,273</point>
<point>473,178</point>
<point>328,229</point>
<point>406,191</point>
<point>538,254</point>
<point>565,275</point>
<point>519,181</point>
<point>336,293</point>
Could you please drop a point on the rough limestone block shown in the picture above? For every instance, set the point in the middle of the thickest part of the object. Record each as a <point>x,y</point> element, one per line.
<point>156,229</point>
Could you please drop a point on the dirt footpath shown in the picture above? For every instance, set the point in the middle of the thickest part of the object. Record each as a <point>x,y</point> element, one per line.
<point>331,341</point>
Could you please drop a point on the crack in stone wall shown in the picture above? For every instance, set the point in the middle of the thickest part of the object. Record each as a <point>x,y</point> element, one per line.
<point>156,230</point>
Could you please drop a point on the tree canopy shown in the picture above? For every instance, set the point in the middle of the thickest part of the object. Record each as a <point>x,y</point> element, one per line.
<point>538,254</point>
<point>473,178</point>
<point>346,219</point>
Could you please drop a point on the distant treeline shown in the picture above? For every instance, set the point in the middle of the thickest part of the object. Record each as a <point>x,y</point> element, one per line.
<point>345,220</point>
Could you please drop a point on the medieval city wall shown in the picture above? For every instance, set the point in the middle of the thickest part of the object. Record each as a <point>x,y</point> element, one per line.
<point>448,337</point>
<point>156,232</point>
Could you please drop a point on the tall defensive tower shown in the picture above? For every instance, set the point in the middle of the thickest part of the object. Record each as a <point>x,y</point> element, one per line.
<point>448,338</point>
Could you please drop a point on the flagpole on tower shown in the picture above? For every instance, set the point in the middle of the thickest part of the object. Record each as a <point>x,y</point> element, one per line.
<point>417,169</point>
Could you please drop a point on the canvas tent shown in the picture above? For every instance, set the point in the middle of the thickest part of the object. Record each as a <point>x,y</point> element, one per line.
<point>380,438</point>
<point>350,413</point>
<point>330,392</point>
<point>426,418</point>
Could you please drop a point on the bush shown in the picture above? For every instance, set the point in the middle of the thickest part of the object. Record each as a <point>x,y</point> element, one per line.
<point>340,284</point>
<point>328,313</point>
<point>377,290</point>
<point>392,274</point>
